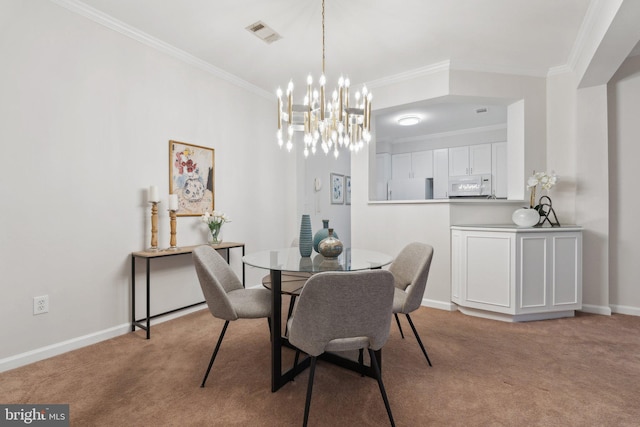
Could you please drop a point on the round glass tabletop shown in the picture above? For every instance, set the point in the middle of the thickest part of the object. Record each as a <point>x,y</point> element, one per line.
<point>289,259</point>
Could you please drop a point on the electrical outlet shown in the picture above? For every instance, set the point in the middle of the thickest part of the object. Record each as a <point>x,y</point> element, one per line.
<point>41,304</point>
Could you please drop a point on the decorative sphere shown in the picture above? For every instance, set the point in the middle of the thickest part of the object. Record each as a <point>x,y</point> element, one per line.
<point>525,217</point>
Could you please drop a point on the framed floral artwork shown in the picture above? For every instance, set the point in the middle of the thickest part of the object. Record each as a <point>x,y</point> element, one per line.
<point>347,190</point>
<point>191,177</point>
<point>337,189</point>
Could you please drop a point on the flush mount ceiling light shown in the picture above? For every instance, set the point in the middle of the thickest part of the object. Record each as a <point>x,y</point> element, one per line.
<point>335,124</point>
<point>408,120</point>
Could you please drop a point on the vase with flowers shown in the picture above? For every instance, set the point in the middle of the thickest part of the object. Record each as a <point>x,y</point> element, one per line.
<point>546,182</point>
<point>528,217</point>
<point>544,206</point>
<point>215,221</point>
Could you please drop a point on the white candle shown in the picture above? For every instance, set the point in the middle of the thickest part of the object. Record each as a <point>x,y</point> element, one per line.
<point>153,194</point>
<point>173,202</point>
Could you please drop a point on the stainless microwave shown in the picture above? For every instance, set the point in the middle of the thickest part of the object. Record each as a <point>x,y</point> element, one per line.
<point>470,186</point>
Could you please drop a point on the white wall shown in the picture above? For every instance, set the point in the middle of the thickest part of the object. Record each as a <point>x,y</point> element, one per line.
<point>561,143</point>
<point>390,226</point>
<point>624,154</point>
<point>318,203</point>
<point>87,114</point>
<point>592,195</point>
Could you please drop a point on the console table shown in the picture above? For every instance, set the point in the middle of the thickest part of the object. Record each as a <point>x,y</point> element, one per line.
<point>145,322</point>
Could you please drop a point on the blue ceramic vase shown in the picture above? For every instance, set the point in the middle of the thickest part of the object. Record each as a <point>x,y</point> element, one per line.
<point>306,241</point>
<point>322,234</point>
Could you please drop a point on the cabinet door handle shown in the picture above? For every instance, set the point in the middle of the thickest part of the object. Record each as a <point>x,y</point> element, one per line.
<point>470,171</point>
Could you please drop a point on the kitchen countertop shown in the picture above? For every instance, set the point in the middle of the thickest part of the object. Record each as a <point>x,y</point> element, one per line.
<point>513,227</point>
<point>459,200</point>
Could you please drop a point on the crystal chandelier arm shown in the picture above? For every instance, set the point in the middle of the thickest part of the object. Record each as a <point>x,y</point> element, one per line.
<point>279,93</point>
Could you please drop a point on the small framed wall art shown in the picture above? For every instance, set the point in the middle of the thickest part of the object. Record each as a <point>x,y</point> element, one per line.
<point>347,190</point>
<point>191,177</point>
<point>337,189</point>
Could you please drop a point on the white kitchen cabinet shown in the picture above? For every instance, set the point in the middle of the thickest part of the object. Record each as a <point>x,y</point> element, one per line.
<point>422,164</point>
<point>383,174</point>
<point>480,159</point>
<point>440,173</point>
<point>515,274</point>
<point>418,164</point>
<point>499,169</point>
<point>459,161</point>
<point>470,160</point>
<point>401,166</point>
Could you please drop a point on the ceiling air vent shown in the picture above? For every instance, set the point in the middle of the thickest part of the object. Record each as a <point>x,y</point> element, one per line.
<point>264,32</point>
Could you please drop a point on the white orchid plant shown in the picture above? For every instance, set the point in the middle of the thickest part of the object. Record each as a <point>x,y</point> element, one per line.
<point>215,221</point>
<point>544,179</point>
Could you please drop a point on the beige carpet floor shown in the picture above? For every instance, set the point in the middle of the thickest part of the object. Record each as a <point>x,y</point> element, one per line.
<point>582,371</point>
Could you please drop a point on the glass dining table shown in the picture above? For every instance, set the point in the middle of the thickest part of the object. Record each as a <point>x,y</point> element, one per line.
<point>289,260</point>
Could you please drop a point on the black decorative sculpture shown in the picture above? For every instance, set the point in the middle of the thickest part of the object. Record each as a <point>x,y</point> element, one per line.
<point>546,212</point>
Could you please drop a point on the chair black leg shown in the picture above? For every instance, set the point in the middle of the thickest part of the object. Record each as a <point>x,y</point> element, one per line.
<point>269,322</point>
<point>312,370</point>
<point>295,359</point>
<point>215,352</point>
<point>398,322</point>
<point>415,332</point>
<point>291,304</point>
<point>374,364</point>
<point>361,361</point>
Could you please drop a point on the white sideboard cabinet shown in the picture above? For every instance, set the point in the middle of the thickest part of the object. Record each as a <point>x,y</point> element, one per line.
<point>516,274</point>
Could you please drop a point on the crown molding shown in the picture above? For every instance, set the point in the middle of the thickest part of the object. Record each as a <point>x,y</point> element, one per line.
<point>463,65</point>
<point>450,65</point>
<point>108,21</point>
<point>586,28</point>
<point>409,75</point>
<point>562,69</point>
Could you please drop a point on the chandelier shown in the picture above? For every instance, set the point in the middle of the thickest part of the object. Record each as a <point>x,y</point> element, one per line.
<point>334,123</point>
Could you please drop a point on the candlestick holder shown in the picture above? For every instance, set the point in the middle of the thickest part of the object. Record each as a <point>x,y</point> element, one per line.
<point>154,227</point>
<point>172,242</point>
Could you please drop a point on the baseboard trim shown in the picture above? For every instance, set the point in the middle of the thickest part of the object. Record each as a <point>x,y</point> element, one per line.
<point>625,309</point>
<point>441,305</point>
<point>56,349</point>
<point>48,351</point>
<point>596,309</point>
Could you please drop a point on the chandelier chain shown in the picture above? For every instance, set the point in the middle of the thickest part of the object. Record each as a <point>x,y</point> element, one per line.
<point>322,36</point>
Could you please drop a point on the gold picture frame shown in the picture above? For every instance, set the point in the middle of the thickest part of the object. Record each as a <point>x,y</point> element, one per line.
<point>191,177</point>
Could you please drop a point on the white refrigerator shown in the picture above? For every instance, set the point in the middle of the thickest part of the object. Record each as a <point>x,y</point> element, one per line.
<point>410,189</point>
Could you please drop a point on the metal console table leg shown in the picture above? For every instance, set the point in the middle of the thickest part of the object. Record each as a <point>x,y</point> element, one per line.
<point>145,322</point>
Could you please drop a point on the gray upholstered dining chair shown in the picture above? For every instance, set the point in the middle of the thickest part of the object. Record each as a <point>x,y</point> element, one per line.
<point>226,298</point>
<point>341,312</point>
<point>410,271</point>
